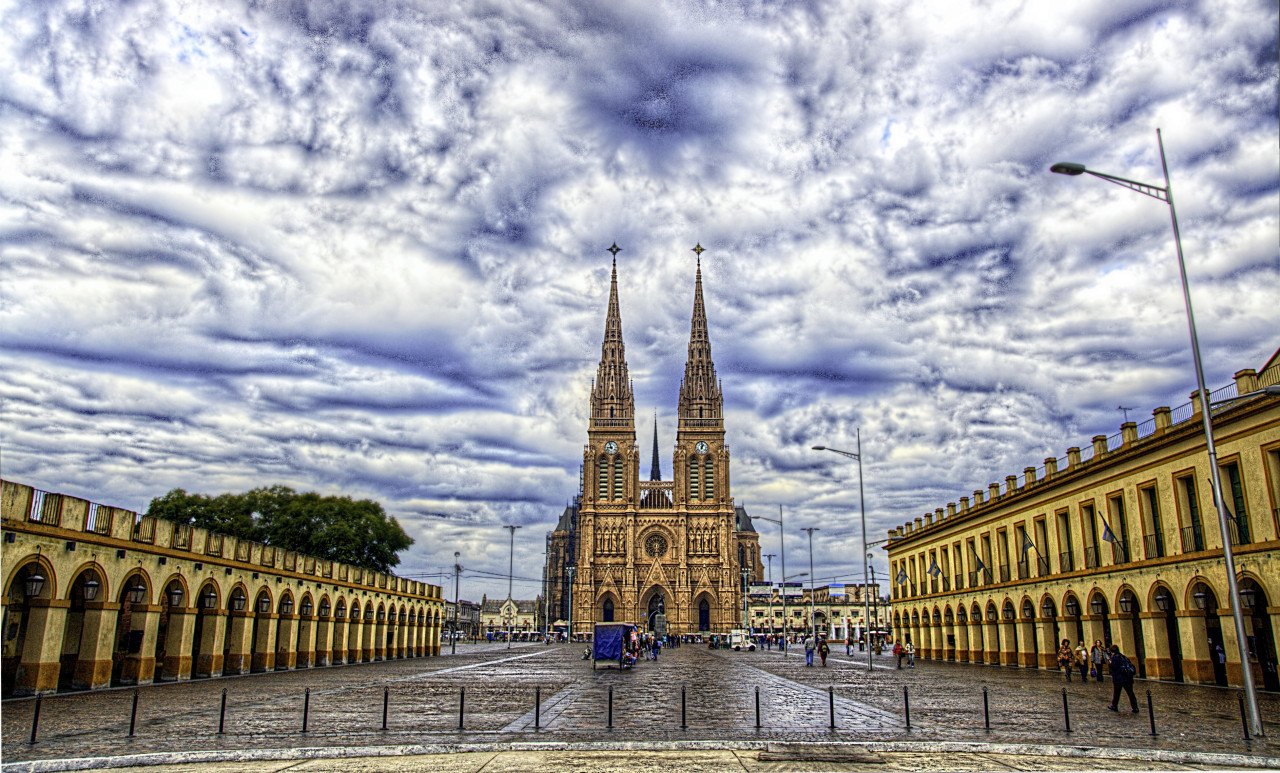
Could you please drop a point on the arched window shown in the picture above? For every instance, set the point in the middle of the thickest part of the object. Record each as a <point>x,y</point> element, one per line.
<point>709,480</point>
<point>604,477</point>
<point>607,612</point>
<point>694,489</point>
<point>617,478</point>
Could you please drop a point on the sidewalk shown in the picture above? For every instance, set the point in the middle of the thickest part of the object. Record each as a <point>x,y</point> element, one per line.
<point>685,757</point>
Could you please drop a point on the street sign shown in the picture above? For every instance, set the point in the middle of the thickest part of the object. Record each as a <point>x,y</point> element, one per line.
<point>793,590</point>
<point>835,589</point>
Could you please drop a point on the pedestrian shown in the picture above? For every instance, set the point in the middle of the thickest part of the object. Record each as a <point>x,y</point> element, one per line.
<point>1098,655</point>
<point>824,650</point>
<point>808,651</point>
<point>911,654</point>
<point>1064,658</point>
<point>657,647</point>
<point>1121,679</point>
<point>848,647</point>
<point>898,653</point>
<point>1082,661</point>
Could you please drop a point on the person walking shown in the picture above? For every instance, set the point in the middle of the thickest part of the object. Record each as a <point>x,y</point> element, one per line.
<point>1098,656</point>
<point>824,650</point>
<point>808,650</point>
<point>1082,660</point>
<point>898,653</point>
<point>1121,679</point>
<point>911,655</point>
<point>1064,658</point>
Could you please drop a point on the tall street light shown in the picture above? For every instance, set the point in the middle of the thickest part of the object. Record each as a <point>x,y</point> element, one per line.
<point>769,557</point>
<point>569,570</point>
<point>457,606</point>
<point>782,549</point>
<point>813,615</point>
<point>511,568</point>
<point>1165,194</point>
<point>857,455</point>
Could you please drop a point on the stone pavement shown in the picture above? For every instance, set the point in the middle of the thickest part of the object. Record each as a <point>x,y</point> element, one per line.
<point>264,711</point>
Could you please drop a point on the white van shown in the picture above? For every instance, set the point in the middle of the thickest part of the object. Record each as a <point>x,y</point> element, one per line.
<point>739,638</point>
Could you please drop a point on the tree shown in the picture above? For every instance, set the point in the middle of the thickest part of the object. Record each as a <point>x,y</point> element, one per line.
<point>356,532</point>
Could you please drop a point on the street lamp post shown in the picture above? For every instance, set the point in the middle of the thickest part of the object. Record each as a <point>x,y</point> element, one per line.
<point>511,568</point>
<point>457,605</point>
<point>782,549</point>
<point>862,502</point>
<point>769,558</point>
<point>1165,194</point>
<point>746,617</point>
<point>569,570</point>
<point>813,615</point>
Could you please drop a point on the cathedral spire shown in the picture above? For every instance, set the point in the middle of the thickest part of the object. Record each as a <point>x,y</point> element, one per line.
<point>655,470</point>
<point>700,396</point>
<point>611,396</point>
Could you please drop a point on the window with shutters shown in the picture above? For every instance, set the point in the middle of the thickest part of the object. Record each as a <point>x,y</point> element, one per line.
<point>709,480</point>
<point>617,478</point>
<point>694,490</point>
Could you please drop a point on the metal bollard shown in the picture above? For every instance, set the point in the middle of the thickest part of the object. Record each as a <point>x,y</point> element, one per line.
<point>610,706</point>
<point>1151,713</point>
<point>386,703</point>
<point>133,713</point>
<point>537,708</point>
<point>831,705</point>
<point>685,725</point>
<point>222,712</point>
<point>462,702</point>
<point>757,708</point>
<point>35,719</point>
<point>1066,714</point>
<point>986,710</point>
<point>906,705</point>
<point>1244,719</point>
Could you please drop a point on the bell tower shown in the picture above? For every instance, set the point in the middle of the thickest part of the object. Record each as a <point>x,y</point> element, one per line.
<point>611,458</point>
<point>702,458</point>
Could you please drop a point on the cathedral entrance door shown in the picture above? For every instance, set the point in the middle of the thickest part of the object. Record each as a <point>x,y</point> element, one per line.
<point>657,605</point>
<point>704,616</point>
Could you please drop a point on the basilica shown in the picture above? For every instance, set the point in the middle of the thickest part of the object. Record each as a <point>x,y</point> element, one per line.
<point>628,550</point>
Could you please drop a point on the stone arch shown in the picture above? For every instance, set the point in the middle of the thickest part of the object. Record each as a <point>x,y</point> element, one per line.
<point>607,607</point>
<point>705,608</point>
<point>652,601</point>
<point>262,639</point>
<point>1022,609</point>
<point>131,662</point>
<point>208,631</point>
<point>80,632</point>
<point>46,570</point>
<point>25,668</point>
<point>172,617</point>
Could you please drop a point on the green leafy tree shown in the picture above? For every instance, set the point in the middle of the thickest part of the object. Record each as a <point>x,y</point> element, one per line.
<point>356,532</point>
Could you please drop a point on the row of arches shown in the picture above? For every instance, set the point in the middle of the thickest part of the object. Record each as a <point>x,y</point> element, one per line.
<point>1180,634</point>
<point>97,631</point>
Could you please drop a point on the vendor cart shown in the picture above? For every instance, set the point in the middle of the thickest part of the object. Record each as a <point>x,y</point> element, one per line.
<point>610,643</point>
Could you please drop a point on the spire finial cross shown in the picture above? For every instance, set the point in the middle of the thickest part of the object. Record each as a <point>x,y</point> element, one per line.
<point>698,250</point>
<point>614,249</point>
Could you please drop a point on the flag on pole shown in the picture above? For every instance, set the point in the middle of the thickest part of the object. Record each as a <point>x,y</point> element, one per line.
<point>934,570</point>
<point>1107,534</point>
<point>1028,544</point>
<point>902,576</point>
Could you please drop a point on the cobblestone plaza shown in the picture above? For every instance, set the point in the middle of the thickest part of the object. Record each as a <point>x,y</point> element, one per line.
<point>265,711</point>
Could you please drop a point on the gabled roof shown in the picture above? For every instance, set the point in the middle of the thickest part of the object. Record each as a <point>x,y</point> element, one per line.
<point>742,520</point>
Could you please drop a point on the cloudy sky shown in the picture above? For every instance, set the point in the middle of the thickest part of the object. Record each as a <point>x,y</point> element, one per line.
<point>359,248</point>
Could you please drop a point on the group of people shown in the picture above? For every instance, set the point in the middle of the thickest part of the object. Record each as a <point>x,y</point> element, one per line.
<point>907,652</point>
<point>819,646</point>
<point>1091,661</point>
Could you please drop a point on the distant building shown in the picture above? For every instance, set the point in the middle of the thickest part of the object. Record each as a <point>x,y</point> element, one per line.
<point>518,615</point>
<point>468,614</point>
<point>839,610</point>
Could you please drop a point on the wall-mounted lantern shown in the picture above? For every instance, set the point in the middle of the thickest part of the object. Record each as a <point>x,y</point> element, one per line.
<point>1028,609</point>
<point>208,599</point>
<point>1164,602</point>
<point>1096,605</point>
<point>264,605</point>
<point>1008,612</point>
<point>1073,607</point>
<point>1126,603</point>
<point>175,596</point>
<point>135,592</point>
<point>91,586</point>
<point>1247,596</point>
<point>306,607</point>
<point>1201,598</point>
<point>33,585</point>
<point>991,614</point>
<point>237,601</point>
<point>286,606</point>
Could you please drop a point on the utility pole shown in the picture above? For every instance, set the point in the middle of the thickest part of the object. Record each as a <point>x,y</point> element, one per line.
<point>457,605</point>
<point>570,570</point>
<point>769,558</point>
<point>511,568</point>
<point>813,615</point>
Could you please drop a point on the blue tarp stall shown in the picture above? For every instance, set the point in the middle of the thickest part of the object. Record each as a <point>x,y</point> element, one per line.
<point>609,641</point>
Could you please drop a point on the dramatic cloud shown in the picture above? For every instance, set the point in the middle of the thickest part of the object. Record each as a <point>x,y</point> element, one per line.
<point>359,248</point>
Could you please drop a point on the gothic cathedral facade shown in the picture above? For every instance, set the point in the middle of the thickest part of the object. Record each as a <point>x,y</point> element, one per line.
<point>627,549</point>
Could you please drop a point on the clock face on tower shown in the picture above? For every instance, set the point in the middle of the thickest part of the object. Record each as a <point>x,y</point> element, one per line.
<point>701,447</point>
<point>611,447</point>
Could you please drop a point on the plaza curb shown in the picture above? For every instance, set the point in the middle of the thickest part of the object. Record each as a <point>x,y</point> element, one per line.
<point>1080,752</point>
